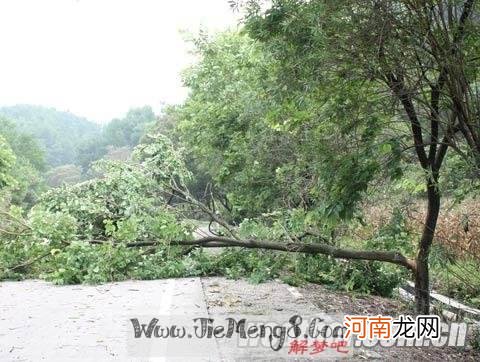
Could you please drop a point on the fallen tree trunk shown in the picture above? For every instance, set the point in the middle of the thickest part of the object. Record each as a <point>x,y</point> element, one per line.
<point>338,253</point>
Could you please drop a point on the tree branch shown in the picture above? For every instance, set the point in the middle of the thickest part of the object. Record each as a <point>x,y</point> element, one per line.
<point>293,247</point>
<point>398,88</point>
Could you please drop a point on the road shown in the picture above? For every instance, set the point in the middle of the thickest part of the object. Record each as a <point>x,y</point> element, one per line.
<point>43,322</point>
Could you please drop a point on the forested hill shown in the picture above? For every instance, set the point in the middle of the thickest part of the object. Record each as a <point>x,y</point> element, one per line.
<point>59,133</point>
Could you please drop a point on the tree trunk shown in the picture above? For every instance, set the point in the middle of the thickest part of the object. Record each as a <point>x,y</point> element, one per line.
<point>422,282</point>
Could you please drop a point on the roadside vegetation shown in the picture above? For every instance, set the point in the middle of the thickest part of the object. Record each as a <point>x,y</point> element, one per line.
<point>334,144</point>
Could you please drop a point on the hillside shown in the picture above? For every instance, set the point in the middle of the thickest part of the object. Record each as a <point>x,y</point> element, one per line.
<point>59,133</point>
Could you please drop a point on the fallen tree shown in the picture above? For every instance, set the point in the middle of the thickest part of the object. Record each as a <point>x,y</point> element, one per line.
<point>292,247</point>
<point>160,194</point>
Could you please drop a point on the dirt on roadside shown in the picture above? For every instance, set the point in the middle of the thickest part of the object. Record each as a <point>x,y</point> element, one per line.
<point>240,296</point>
<point>330,301</point>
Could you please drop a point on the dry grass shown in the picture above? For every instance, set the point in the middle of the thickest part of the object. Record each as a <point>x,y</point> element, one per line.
<point>458,227</point>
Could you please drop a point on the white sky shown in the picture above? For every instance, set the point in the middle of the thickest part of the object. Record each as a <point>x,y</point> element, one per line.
<point>98,58</point>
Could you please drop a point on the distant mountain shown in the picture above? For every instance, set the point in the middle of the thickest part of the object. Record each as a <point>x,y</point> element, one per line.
<point>59,133</point>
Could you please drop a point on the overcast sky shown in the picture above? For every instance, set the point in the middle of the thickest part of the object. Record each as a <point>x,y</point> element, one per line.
<point>98,58</point>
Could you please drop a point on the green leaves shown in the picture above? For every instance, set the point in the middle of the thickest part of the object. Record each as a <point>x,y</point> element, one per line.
<point>52,228</point>
<point>82,263</point>
<point>124,204</point>
<point>161,160</point>
<point>7,160</point>
<point>129,130</point>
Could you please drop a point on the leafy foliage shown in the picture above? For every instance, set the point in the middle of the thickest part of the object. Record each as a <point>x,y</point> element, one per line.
<point>7,159</point>
<point>124,204</point>
<point>58,133</point>
<point>128,131</point>
<point>269,145</point>
<point>28,167</point>
<point>119,135</point>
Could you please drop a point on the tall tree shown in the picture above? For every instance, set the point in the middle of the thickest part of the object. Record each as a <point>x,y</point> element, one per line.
<point>422,53</point>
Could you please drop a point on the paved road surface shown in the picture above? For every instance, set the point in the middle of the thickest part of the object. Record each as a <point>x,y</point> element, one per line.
<point>43,322</point>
